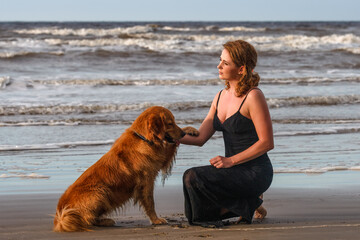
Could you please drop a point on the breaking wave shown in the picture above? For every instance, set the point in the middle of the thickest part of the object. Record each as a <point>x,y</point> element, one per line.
<point>117,82</point>
<point>53,145</point>
<point>11,55</point>
<point>97,82</point>
<point>176,106</point>
<point>119,31</point>
<point>316,170</point>
<point>5,81</point>
<point>26,176</point>
<point>313,101</point>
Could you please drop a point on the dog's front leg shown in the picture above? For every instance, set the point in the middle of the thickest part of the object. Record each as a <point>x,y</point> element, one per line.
<point>146,198</point>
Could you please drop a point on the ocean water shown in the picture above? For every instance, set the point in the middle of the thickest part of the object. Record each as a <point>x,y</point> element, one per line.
<point>68,90</point>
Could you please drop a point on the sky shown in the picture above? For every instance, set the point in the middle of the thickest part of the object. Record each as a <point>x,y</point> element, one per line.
<point>179,10</point>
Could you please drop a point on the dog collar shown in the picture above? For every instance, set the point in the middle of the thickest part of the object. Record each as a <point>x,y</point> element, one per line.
<point>143,138</point>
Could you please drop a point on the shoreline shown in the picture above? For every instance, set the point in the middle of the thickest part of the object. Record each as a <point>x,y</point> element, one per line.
<point>293,213</point>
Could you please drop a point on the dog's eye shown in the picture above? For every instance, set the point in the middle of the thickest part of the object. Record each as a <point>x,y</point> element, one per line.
<point>170,124</point>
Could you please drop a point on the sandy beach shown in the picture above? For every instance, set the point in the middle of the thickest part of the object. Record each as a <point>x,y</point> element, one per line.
<point>296,213</point>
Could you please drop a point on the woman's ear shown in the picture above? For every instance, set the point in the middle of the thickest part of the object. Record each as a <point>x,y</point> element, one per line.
<point>241,70</point>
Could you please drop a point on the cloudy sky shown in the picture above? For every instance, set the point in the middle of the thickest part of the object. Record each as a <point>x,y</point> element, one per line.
<point>179,10</point>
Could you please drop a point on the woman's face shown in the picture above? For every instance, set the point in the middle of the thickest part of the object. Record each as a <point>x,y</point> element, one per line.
<point>227,68</point>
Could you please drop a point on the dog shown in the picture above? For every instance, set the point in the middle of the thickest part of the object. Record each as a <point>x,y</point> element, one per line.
<point>127,171</point>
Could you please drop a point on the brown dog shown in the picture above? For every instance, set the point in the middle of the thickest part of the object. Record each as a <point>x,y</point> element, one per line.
<point>127,171</point>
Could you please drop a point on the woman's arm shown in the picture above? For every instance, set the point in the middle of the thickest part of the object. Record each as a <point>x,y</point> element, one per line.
<point>206,129</point>
<point>258,111</point>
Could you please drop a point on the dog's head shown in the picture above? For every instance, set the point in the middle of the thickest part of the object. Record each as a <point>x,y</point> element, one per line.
<point>158,125</point>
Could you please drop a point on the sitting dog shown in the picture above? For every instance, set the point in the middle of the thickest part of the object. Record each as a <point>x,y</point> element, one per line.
<point>127,171</point>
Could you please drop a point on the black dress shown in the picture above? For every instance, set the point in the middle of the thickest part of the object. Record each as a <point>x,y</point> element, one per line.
<point>237,189</point>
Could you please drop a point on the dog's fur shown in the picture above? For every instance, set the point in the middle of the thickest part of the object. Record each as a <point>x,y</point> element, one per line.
<point>127,171</point>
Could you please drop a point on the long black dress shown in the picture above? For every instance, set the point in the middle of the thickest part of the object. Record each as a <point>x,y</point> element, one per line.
<point>237,189</point>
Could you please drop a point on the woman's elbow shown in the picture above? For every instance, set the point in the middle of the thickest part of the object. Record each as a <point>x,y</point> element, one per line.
<point>271,147</point>
<point>268,145</point>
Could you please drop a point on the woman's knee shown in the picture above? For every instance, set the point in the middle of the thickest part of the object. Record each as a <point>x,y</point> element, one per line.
<point>189,177</point>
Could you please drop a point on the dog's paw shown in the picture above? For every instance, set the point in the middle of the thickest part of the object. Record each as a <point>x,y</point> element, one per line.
<point>191,131</point>
<point>159,221</point>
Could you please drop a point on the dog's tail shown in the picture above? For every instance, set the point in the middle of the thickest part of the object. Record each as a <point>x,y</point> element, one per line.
<point>69,220</point>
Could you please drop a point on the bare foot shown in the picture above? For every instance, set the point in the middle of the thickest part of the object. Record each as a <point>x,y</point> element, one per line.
<point>260,213</point>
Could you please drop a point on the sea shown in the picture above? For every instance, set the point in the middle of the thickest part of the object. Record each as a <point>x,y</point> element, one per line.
<point>69,89</point>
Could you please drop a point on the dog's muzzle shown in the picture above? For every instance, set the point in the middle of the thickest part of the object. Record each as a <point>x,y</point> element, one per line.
<point>169,139</point>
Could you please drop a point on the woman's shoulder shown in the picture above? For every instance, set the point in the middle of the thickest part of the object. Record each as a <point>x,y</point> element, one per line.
<point>255,93</point>
<point>216,97</point>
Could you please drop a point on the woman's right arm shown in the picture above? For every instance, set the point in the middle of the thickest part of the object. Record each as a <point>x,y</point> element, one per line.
<point>206,129</point>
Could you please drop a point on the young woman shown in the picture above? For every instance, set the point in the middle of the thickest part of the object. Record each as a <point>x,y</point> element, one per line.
<point>233,184</point>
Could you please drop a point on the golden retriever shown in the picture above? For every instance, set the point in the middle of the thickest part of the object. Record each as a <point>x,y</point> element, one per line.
<point>127,171</point>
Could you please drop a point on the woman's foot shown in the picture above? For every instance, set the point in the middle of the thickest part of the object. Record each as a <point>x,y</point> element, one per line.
<point>260,213</point>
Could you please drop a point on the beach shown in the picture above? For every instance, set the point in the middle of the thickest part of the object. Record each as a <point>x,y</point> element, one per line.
<point>293,213</point>
<point>68,90</point>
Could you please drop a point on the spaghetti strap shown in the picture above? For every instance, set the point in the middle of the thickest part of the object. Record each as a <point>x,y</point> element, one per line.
<point>246,97</point>
<point>218,99</point>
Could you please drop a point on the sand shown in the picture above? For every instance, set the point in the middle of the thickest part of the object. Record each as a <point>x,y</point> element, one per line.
<point>296,213</point>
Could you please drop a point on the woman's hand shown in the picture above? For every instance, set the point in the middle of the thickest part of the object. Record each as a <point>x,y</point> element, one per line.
<point>221,162</point>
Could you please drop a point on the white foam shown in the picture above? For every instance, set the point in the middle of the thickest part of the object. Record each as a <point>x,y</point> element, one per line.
<point>355,168</point>
<point>146,38</point>
<point>241,29</point>
<point>329,130</point>
<point>53,145</point>
<point>315,170</point>
<point>316,100</point>
<point>86,31</point>
<point>5,81</point>
<point>26,176</point>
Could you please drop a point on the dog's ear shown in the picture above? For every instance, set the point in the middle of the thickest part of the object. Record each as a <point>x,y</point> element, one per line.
<point>156,127</point>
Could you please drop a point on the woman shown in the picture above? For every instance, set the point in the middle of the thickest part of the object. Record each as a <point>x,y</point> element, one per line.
<point>232,185</point>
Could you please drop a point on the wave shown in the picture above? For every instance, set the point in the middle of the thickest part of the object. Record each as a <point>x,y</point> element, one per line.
<point>87,31</point>
<point>313,101</point>
<point>5,81</point>
<point>309,80</point>
<point>109,121</point>
<point>328,131</point>
<point>315,121</point>
<point>12,55</point>
<point>316,170</point>
<point>94,108</point>
<point>354,50</point>
<point>118,31</point>
<point>53,145</point>
<point>210,43</point>
<point>26,176</point>
<point>176,106</point>
<point>101,82</point>
<point>142,39</point>
<point>187,82</point>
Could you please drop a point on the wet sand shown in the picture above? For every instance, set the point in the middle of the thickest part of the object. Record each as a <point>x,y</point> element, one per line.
<point>296,213</point>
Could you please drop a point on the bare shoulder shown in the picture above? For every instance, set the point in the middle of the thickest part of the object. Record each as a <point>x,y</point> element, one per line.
<point>214,102</point>
<point>256,95</point>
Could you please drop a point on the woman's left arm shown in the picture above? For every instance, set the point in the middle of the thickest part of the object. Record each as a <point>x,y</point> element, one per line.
<point>258,111</point>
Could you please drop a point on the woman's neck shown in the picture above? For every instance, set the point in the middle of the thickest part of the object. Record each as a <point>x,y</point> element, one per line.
<point>232,87</point>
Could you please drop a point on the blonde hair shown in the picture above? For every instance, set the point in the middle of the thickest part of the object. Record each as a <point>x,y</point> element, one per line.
<point>244,54</point>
